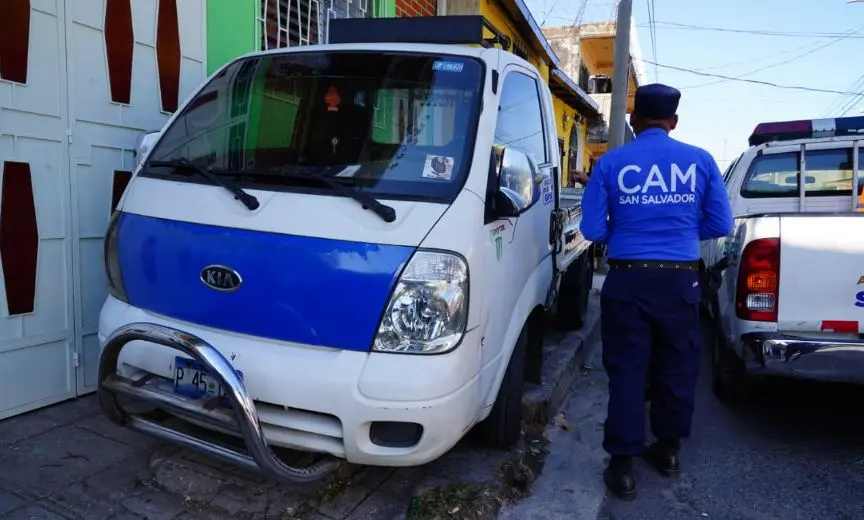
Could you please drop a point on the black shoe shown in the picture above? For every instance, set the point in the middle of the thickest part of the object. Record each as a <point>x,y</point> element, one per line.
<point>664,455</point>
<point>618,477</point>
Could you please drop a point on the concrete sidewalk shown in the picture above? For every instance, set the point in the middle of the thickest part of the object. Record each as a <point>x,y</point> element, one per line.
<point>68,462</point>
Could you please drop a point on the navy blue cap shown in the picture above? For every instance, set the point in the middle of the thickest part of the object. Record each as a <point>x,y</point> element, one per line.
<point>656,101</point>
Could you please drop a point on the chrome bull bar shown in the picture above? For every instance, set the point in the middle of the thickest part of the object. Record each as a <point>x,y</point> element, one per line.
<point>243,420</point>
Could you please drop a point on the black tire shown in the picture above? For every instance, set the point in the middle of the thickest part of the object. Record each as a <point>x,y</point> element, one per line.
<point>573,296</point>
<point>502,429</point>
<point>587,282</point>
<point>728,374</point>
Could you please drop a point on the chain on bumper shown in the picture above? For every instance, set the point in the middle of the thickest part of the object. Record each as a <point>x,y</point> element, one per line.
<point>243,420</point>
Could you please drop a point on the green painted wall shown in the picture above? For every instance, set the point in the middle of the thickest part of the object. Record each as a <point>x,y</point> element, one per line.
<point>384,8</point>
<point>230,30</point>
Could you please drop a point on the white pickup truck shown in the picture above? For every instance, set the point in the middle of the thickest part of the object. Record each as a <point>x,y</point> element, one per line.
<point>346,249</point>
<point>790,298</point>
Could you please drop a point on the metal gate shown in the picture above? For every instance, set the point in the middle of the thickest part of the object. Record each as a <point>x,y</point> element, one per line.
<point>80,81</point>
<point>291,23</point>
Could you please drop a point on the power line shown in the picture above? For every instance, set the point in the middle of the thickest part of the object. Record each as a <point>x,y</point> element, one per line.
<point>843,105</point>
<point>649,4</point>
<point>654,18</point>
<point>854,101</point>
<point>784,62</point>
<point>852,104</point>
<point>759,58</point>
<point>762,32</point>
<point>754,81</point>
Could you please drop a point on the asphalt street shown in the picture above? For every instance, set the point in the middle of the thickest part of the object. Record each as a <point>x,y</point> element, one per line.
<point>795,451</point>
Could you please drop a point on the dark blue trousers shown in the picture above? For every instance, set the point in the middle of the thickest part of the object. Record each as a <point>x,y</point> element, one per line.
<point>649,325</point>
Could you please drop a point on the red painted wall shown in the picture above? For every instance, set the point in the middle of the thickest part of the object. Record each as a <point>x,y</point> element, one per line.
<point>409,8</point>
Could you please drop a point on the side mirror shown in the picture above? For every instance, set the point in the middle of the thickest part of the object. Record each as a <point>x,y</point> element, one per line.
<point>517,182</point>
<point>145,144</point>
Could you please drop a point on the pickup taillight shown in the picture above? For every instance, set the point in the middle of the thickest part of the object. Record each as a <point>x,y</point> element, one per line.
<point>758,280</point>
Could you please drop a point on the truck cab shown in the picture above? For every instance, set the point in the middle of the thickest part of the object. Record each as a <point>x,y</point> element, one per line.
<point>346,249</point>
<point>790,301</point>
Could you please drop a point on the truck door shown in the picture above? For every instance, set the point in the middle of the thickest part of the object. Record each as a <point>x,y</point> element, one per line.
<point>521,264</point>
<point>526,122</point>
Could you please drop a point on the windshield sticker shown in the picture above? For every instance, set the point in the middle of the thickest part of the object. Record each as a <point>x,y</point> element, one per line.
<point>332,99</point>
<point>438,167</point>
<point>447,66</point>
<point>546,190</point>
<point>348,171</point>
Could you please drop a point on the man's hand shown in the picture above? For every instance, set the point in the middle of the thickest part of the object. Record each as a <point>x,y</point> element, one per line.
<point>580,177</point>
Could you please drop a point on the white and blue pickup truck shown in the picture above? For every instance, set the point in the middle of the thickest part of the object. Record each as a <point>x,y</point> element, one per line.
<point>346,249</point>
<point>789,279</point>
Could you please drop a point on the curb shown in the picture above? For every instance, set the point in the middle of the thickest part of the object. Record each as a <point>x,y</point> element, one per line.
<point>562,364</point>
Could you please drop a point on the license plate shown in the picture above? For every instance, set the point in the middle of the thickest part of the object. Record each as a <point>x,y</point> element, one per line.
<point>191,379</point>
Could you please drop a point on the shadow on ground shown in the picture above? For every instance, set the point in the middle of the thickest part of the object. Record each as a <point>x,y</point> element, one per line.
<point>793,451</point>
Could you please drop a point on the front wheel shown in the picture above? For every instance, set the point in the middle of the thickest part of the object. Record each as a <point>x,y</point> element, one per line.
<point>503,428</point>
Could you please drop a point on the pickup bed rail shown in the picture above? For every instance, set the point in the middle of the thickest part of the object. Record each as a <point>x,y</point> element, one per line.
<point>574,242</point>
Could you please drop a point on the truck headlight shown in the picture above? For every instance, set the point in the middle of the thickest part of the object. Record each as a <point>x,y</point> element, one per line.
<point>428,311</point>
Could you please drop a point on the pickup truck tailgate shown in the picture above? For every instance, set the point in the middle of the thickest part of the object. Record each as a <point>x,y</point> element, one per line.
<point>821,270</point>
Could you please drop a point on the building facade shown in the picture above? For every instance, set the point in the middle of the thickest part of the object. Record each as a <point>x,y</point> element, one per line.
<point>81,81</point>
<point>574,108</point>
<point>587,53</point>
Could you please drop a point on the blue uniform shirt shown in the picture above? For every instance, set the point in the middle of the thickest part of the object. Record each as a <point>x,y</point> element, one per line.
<point>655,198</point>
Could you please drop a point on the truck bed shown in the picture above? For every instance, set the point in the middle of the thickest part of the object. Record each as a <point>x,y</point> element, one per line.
<point>571,197</point>
<point>574,242</point>
<point>820,271</point>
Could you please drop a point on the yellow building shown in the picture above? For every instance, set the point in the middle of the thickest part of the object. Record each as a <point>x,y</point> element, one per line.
<point>575,110</point>
<point>587,53</point>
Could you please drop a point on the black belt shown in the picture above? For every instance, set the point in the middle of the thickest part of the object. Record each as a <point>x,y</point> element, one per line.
<point>654,264</point>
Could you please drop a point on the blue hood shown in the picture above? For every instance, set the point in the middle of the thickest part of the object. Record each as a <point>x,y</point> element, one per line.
<point>312,291</point>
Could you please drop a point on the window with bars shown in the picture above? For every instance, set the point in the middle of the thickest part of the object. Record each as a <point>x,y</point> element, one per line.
<point>292,23</point>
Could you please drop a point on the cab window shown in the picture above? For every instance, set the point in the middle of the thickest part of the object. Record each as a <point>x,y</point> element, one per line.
<point>728,173</point>
<point>828,173</point>
<point>520,117</point>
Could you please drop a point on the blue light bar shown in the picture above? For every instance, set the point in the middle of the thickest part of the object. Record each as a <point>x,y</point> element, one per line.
<point>849,126</point>
<point>807,128</point>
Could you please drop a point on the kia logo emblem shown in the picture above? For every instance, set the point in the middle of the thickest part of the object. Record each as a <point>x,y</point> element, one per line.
<point>221,278</point>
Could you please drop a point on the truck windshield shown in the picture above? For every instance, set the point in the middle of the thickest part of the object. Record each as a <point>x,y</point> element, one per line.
<point>399,125</point>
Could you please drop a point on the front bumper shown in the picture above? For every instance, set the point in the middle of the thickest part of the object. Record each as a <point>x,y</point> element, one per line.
<point>290,396</point>
<point>832,359</point>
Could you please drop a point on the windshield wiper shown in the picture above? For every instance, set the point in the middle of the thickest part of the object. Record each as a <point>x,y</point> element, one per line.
<point>250,201</point>
<point>387,213</point>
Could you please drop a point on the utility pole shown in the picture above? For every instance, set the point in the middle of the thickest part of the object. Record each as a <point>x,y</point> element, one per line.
<point>620,75</point>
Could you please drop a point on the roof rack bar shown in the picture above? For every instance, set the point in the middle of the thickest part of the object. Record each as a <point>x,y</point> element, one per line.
<point>856,173</point>
<point>802,179</point>
<point>500,37</point>
<point>451,29</point>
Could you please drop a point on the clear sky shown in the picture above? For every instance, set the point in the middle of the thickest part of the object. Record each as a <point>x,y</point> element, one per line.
<point>719,115</point>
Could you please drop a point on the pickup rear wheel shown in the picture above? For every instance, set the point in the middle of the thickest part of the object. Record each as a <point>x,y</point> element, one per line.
<point>574,293</point>
<point>728,377</point>
<point>503,428</point>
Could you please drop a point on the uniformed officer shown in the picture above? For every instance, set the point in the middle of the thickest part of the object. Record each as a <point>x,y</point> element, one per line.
<point>652,201</point>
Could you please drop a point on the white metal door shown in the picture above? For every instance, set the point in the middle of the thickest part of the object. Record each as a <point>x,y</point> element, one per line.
<point>36,321</point>
<point>130,64</point>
